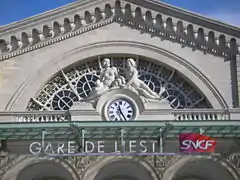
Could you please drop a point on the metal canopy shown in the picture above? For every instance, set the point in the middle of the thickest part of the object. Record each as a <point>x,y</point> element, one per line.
<point>105,130</point>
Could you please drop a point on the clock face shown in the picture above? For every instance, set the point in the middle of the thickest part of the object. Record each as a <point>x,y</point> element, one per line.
<point>121,110</point>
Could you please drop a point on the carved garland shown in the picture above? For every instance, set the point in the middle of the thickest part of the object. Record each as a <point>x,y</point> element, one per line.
<point>158,26</point>
<point>81,163</point>
<point>161,163</point>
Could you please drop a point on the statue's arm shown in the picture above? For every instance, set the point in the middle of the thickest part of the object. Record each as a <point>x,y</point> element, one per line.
<point>115,72</point>
<point>101,75</point>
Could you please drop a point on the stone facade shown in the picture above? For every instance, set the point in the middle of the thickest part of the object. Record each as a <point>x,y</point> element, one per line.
<point>97,167</point>
<point>52,61</point>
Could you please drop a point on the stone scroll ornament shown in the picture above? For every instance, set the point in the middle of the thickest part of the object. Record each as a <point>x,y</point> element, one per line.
<point>110,78</point>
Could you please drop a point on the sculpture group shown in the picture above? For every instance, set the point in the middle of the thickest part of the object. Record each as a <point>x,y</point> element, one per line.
<point>111,78</point>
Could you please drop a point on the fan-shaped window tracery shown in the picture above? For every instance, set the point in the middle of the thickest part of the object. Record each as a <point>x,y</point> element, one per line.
<point>76,82</point>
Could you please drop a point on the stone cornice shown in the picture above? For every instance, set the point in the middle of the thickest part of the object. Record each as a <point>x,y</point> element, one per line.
<point>191,17</point>
<point>56,39</point>
<point>149,4</point>
<point>49,16</point>
<point>89,15</point>
<point>184,41</point>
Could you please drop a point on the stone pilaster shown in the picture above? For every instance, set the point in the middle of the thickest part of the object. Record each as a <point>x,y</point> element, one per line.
<point>237,62</point>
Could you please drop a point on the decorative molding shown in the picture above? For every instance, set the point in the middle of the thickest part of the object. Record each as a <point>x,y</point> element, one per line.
<point>81,163</point>
<point>188,16</point>
<point>184,41</point>
<point>161,163</point>
<point>55,40</point>
<point>164,26</point>
<point>234,159</point>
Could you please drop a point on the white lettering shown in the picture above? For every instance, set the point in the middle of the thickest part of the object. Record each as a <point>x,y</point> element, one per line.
<point>142,145</point>
<point>35,148</point>
<point>60,148</point>
<point>209,143</point>
<point>100,145</point>
<point>132,144</point>
<point>153,146</point>
<point>71,147</point>
<point>87,143</point>
<point>116,147</point>
<point>199,144</point>
<point>49,148</point>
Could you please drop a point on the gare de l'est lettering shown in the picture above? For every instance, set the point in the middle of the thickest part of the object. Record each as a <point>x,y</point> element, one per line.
<point>186,144</point>
<point>71,147</point>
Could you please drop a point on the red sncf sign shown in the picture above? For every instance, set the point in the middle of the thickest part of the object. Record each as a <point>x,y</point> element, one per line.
<point>196,143</point>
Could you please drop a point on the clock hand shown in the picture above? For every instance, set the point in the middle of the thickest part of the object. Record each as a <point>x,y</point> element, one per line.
<point>121,113</point>
<point>118,114</point>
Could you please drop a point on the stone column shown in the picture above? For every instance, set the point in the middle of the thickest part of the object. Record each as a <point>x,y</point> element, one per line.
<point>236,63</point>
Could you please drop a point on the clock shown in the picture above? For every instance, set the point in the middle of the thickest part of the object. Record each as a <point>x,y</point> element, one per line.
<point>121,110</point>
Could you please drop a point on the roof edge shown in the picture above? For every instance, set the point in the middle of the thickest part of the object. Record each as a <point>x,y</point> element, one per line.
<point>43,16</point>
<point>155,5</point>
<point>183,14</point>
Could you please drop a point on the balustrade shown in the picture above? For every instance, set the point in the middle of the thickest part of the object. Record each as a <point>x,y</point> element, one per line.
<point>178,115</point>
<point>35,116</point>
<point>204,115</point>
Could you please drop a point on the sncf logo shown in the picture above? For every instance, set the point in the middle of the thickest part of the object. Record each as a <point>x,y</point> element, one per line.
<point>196,143</point>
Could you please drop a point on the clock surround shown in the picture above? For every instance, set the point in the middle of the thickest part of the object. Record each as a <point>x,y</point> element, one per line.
<point>121,109</point>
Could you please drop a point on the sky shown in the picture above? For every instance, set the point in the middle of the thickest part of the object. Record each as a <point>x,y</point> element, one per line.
<point>224,10</point>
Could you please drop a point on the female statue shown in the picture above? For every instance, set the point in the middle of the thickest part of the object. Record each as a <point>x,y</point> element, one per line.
<point>132,80</point>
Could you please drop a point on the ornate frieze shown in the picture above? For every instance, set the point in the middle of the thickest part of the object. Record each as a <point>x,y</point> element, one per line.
<point>81,163</point>
<point>234,159</point>
<point>158,164</point>
<point>161,163</point>
<point>153,22</point>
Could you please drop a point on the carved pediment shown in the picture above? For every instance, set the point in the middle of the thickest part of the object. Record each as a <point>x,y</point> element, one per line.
<point>149,16</point>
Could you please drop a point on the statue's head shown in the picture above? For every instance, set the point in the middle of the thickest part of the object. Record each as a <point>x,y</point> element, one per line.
<point>106,62</point>
<point>131,62</point>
